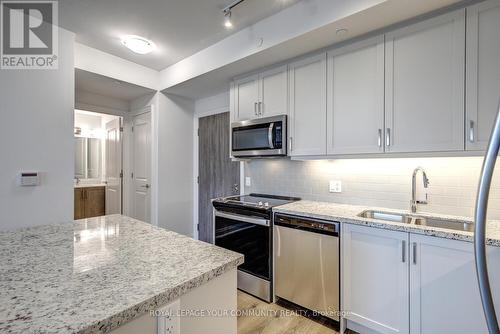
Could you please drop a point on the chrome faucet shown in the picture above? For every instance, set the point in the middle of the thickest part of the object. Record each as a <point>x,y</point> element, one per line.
<point>414,201</point>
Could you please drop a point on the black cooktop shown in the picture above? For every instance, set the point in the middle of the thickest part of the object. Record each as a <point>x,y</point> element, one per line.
<point>258,200</point>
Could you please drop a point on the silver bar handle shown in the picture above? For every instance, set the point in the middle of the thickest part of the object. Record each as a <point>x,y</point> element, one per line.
<point>388,137</point>
<point>290,145</point>
<point>480,227</point>
<point>246,219</point>
<point>260,109</point>
<point>471,131</point>
<point>255,109</point>
<point>379,142</point>
<point>414,253</point>
<point>270,135</point>
<point>403,251</point>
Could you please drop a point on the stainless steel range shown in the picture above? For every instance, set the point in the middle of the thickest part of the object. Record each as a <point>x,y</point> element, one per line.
<point>244,224</point>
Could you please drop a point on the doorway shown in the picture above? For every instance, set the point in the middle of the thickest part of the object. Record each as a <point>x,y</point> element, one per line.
<point>219,176</point>
<point>98,164</point>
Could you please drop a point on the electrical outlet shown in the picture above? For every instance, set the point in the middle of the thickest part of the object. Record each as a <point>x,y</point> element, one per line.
<point>335,186</point>
<point>248,181</point>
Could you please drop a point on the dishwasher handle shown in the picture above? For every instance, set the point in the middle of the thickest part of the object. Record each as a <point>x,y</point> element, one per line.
<point>306,224</point>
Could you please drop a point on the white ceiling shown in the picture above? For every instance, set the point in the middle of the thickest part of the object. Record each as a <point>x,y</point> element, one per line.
<point>105,86</point>
<point>179,28</point>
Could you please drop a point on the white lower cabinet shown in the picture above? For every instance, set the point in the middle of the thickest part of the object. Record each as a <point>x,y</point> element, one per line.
<point>444,292</point>
<point>375,285</point>
<point>398,282</point>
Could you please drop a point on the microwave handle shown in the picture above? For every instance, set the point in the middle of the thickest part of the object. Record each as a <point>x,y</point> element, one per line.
<point>270,135</point>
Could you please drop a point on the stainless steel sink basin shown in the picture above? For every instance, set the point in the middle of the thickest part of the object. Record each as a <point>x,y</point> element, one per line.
<point>450,224</point>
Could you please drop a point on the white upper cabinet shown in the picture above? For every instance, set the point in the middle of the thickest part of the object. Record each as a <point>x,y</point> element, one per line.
<point>246,98</point>
<point>375,285</point>
<point>444,291</point>
<point>356,98</point>
<point>483,72</point>
<point>260,95</point>
<point>273,92</point>
<point>424,93</point>
<point>307,123</point>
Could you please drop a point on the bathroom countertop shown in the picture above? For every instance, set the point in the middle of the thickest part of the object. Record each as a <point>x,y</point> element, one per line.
<point>345,213</point>
<point>93,275</point>
<point>89,185</point>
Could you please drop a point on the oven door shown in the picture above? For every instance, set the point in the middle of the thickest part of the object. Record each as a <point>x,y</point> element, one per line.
<point>259,137</point>
<point>248,235</point>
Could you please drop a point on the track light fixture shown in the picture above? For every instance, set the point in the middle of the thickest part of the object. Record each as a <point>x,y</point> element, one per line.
<point>227,13</point>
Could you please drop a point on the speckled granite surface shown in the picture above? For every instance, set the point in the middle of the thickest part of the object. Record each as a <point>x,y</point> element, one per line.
<point>349,214</point>
<point>93,275</point>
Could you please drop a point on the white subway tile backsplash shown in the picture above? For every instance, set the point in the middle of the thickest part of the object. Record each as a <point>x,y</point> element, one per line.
<point>378,182</point>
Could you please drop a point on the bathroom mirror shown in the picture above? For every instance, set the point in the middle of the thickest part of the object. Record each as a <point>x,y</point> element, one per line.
<point>87,158</point>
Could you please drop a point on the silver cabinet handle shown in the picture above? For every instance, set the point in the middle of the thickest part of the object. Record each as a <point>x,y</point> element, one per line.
<point>241,218</point>
<point>255,109</point>
<point>388,137</point>
<point>414,253</point>
<point>403,251</point>
<point>471,131</point>
<point>290,146</point>
<point>260,109</point>
<point>379,143</point>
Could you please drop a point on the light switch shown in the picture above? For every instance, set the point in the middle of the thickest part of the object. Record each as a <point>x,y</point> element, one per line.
<point>248,181</point>
<point>335,186</point>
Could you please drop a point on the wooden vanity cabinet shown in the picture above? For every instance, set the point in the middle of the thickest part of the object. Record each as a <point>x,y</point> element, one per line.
<point>90,202</point>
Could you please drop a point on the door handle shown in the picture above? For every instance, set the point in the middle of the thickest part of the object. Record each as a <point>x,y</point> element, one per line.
<point>290,146</point>
<point>414,253</point>
<point>471,131</point>
<point>379,142</point>
<point>146,186</point>
<point>260,109</point>
<point>255,109</point>
<point>388,137</point>
<point>403,251</point>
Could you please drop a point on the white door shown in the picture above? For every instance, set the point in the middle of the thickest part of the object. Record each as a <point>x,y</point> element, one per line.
<point>246,98</point>
<point>483,72</point>
<point>307,106</point>
<point>273,92</point>
<point>113,167</point>
<point>356,98</point>
<point>375,286</point>
<point>141,167</point>
<point>425,85</point>
<point>444,292</point>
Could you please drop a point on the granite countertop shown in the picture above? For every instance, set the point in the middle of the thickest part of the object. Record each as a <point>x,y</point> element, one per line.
<point>349,214</point>
<point>89,185</point>
<point>93,275</point>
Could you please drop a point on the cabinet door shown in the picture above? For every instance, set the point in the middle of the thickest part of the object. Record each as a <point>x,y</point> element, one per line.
<point>444,292</point>
<point>274,92</point>
<point>95,198</point>
<point>79,204</point>
<point>483,72</point>
<point>375,286</point>
<point>356,98</point>
<point>308,106</point>
<point>246,98</point>
<point>425,85</point>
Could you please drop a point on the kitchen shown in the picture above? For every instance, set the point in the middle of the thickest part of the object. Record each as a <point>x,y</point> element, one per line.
<point>329,174</point>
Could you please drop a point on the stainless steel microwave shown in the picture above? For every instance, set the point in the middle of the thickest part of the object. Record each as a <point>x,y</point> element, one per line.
<point>261,137</point>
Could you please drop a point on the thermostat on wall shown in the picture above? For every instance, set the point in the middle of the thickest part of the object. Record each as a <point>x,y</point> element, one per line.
<point>29,179</point>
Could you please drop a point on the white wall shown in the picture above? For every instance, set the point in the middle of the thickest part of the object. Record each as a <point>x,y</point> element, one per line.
<point>378,182</point>
<point>175,163</point>
<point>36,133</point>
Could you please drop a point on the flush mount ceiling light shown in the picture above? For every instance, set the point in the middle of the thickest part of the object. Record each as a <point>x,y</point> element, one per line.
<point>227,13</point>
<point>138,44</point>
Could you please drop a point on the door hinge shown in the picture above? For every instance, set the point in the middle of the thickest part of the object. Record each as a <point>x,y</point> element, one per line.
<point>121,128</point>
<point>132,129</point>
<point>198,179</point>
<point>198,227</point>
<point>132,175</point>
<point>198,132</point>
<point>121,174</point>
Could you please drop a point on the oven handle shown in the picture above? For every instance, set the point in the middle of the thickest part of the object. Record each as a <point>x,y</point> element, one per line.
<point>246,219</point>
<point>270,135</point>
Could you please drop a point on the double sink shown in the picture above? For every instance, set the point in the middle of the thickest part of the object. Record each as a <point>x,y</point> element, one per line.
<point>456,225</point>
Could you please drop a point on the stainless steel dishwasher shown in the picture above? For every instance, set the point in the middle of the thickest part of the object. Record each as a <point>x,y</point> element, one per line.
<point>307,263</point>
